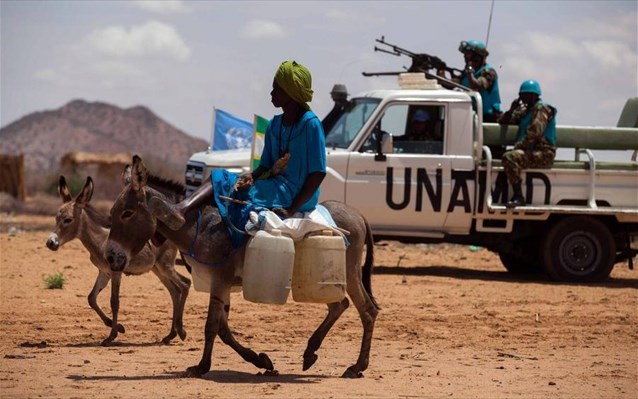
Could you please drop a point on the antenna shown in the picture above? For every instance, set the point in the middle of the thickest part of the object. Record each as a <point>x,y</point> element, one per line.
<point>489,25</point>
<point>346,66</point>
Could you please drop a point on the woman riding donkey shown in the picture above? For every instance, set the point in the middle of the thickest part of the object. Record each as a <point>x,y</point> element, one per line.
<point>293,165</point>
<point>293,161</point>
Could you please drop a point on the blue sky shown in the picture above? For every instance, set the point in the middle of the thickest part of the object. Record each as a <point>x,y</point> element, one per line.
<point>182,58</point>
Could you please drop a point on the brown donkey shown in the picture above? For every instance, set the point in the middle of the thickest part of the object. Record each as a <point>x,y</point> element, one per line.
<point>76,218</point>
<point>206,239</point>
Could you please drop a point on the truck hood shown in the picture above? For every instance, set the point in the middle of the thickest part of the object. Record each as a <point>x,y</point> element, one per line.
<point>223,159</point>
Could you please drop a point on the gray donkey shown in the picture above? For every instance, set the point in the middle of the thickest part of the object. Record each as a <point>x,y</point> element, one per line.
<point>76,218</point>
<point>205,238</point>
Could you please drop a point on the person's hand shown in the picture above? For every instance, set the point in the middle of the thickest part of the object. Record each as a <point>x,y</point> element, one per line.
<point>283,213</point>
<point>469,69</point>
<point>516,103</point>
<point>244,182</point>
<point>440,73</point>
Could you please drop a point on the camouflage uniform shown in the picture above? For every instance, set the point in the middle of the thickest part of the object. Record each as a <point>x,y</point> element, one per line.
<point>487,86</point>
<point>486,79</point>
<point>533,151</point>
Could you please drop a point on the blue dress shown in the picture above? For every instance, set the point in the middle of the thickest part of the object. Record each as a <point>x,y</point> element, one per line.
<point>306,144</point>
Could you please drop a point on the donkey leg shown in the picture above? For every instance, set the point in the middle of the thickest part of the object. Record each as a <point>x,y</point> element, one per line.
<point>115,306</point>
<point>184,286</point>
<point>368,313</point>
<point>215,315</point>
<point>259,360</point>
<point>175,298</point>
<point>100,282</point>
<point>174,285</point>
<point>335,310</point>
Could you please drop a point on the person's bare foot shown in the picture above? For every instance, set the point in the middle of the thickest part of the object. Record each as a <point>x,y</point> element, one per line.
<point>166,213</point>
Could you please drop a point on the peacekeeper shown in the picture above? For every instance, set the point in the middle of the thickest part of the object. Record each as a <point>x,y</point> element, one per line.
<point>481,77</point>
<point>535,145</point>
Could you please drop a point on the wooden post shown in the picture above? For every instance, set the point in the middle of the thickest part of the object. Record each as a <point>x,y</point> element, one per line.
<point>12,175</point>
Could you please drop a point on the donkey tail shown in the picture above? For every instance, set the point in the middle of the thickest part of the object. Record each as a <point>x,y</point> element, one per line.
<point>368,265</point>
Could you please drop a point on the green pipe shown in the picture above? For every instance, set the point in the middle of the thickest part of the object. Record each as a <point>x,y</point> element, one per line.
<point>594,138</point>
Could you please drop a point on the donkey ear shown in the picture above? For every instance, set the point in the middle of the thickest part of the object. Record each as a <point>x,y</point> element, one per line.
<point>87,192</point>
<point>63,189</point>
<point>138,174</point>
<point>126,175</point>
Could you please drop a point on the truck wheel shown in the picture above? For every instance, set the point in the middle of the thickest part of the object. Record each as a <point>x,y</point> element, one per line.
<point>579,249</point>
<point>517,264</point>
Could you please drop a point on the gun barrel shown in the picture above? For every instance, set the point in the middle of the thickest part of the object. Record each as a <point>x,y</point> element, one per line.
<point>367,74</point>
<point>386,51</point>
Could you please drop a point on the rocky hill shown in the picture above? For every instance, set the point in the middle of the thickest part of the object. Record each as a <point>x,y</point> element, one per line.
<point>44,137</point>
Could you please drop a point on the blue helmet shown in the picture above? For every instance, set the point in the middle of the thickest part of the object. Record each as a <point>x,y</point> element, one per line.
<point>530,86</point>
<point>474,46</point>
<point>421,116</point>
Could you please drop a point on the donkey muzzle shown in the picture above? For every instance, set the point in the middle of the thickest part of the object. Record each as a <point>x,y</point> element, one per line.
<point>116,258</point>
<point>53,242</point>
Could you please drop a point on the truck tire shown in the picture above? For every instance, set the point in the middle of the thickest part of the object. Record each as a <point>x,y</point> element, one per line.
<point>579,249</point>
<point>520,265</point>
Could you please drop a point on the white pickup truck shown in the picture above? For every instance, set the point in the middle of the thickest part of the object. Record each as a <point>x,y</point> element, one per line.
<point>581,216</point>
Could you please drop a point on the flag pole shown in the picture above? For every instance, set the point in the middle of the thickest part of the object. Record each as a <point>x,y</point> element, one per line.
<point>252,146</point>
<point>212,133</point>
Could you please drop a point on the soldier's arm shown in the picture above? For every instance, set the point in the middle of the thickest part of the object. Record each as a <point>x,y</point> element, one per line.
<point>486,80</point>
<point>536,129</point>
<point>514,115</point>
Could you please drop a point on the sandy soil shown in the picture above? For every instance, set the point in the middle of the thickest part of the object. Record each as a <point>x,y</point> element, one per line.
<point>453,323</point>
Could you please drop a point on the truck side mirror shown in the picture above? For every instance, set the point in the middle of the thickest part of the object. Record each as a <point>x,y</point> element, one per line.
<point>387,144</point>
<point>384,144</point>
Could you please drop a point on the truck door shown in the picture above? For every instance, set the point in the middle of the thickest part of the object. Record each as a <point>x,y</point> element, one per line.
<point>410,188</point>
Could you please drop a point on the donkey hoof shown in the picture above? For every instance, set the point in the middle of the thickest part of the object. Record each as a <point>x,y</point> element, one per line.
<point>308,361</point>
<point>265,362</point>
<point>120,328</point>
<point>167,339</point>
<point>351,373</point>
<point>182,334</point>
<point>194,372</point>
<point>108,341</point>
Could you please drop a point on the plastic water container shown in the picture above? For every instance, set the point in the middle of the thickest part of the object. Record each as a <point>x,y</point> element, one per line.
<point>203,277</point>
<point>319,275</point>
<point>268,264</point>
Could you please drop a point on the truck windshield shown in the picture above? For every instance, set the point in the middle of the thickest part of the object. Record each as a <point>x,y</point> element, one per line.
<point>349,124</point>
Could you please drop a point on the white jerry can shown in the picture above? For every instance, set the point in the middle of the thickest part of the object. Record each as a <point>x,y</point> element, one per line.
<point>319,275</point>
<point>268,264</point>
<point>202,275</point>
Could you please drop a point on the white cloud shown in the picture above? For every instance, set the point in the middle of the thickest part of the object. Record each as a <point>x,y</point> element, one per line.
<point>339,15</point>
<point>262,29</point>
<point>619,27</point>
<point>152,38</point>
<point>610,53</point>
<point>116,69</point>
<point>521,66</point>
<point>552,45</point>
<point>46,75</point>
<point>161,6</point>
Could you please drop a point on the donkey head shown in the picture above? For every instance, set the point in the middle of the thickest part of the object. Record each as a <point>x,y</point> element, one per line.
<point>68,218</point>
<point>132,225</point>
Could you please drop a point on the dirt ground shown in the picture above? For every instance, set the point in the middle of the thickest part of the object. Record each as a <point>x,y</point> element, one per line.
<point>453,323</point>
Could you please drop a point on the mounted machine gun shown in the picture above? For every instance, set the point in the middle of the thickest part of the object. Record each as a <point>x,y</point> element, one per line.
<point>421,62</point>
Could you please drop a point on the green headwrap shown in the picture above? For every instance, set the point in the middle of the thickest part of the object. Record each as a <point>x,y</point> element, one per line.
<point>296,81</point>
